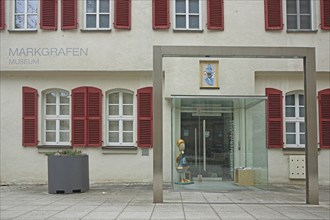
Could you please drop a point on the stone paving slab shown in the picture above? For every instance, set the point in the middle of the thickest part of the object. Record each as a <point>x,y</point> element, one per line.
<point>134,201</point>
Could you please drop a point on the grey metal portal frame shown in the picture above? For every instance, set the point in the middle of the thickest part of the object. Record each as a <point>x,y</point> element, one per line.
<point>307,54</point>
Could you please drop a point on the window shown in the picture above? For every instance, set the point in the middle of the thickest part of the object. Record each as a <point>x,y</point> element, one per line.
<point>120,118</point>
<point>26,14</point>
<point>299,14</point>
<point>97,14</point>
<point>294,120</point>
<point>188,14</point>
<point>57,118</point>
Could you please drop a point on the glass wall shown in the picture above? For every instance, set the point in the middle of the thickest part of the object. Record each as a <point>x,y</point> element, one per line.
<point>215,140</point>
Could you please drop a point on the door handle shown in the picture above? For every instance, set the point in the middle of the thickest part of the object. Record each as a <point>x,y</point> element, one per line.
<point>196,146</point>
<point>204,146</point>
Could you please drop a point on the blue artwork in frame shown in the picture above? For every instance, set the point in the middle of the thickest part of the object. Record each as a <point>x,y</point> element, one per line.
<point>209,75</point>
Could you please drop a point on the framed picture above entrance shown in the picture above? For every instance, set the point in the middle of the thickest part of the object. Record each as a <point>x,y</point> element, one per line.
<point>209,74</point>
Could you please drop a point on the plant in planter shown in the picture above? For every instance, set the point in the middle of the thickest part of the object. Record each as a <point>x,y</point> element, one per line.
<point>68,172</point>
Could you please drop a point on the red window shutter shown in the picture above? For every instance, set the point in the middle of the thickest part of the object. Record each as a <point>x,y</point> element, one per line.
<point>94,117</point>
<point>69,14</point>
<point>274,118</point>
<point>30,117</point>
<point>144,106</point>
<point>79,96</point>
<point>325,14</point>
<point>2,14</point>
<point>86,117</point>
<point>160,14</point>
<point>215,15</point>
<point>273,15</point>
<point>122,14</point>
<point>324,118</point>
<point>48,14</point>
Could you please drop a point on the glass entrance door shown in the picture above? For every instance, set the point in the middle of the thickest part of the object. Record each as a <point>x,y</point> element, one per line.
<point>207,137</point>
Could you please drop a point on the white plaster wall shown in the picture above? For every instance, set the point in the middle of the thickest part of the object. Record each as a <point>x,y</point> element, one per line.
<point>132,49</point>
<point>25,165</point>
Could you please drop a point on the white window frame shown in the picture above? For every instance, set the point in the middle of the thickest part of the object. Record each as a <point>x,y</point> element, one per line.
<point>57,117</point>
<point>187,16</point>
<point>121,118</point>
<point>97,13</point>
<point>312,17</point>
<point>25,14</point>
<point>296,120</point>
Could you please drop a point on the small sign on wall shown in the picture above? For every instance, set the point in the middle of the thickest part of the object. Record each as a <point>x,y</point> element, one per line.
<point>209,74</point>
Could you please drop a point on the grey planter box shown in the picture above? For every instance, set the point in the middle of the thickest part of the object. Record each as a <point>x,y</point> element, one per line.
<point>68,174</point>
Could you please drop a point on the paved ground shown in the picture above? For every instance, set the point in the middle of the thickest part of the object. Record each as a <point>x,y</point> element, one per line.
<point>110,201</point>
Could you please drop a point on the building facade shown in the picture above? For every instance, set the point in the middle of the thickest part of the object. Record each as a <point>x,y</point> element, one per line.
<point>78,74</point>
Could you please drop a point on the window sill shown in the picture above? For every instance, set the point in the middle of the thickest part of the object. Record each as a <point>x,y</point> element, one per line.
<point>119,150</point>
<point>22,30</point>
<point>95,30</point>
<point>295,150</point>
<point>300,31</point>
<point>52,148</point>
<point>189,30</point>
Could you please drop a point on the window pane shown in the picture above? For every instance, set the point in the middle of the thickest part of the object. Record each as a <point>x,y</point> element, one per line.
<point>114,98</point>
<point>51,125</point>
<point>104,6</point>
<point>291,139</point>
<point>50,110</point>
<point>193,21</point>
<point>291,6</point>
<point>64,137</point>
<point>91,6</point>
<point>19,6</point>
<point>91,21</point>
<point>305,22</point>
<point>128,125</point>
<point>104,21</point>
<point>180,21</point>
<point>128,98</point>
<point>290,127</point>
<point>64,125</point>
<point>113,110</point>
<point>302,112</point>
<point>194,6</point>
<point>289,112</point>
<point>302,127</point>
<point>113,125</point>
<point>128,110</point>
<point>305,7</point>
<point>114,137</point>
<point>302,139</point>
<point>289,100</point>
<point>180,6</point>
<point>50,136</point>
<point>64,97</point>
<point>51,97</point>
<point>301,100</point>
<point>32,6</point>
<point>128,137</point>
<point>32,21</point>
<point>19,21</point>
<point>292,22</point>
<point>64,110</point>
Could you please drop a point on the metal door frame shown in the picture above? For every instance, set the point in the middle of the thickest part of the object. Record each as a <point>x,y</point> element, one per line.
<point>307,54</point>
